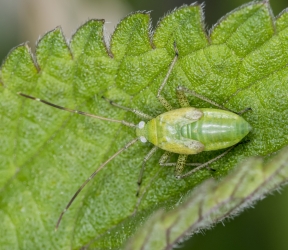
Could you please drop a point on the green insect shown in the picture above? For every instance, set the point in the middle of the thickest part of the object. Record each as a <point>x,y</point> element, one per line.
<point>184,131</point>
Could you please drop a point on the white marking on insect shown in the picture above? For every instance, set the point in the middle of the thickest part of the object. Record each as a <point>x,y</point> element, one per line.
<point>143,139</point>
<point>141,125</point>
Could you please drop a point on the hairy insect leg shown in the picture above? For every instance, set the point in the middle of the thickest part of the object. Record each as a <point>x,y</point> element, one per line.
<point>164,158</point>
<point>182,99</point>
<point>135,111</point>
<point>163,161</point>
<point>181,162</point>
<point>146,158</point>
<point>191,92</point>
<point>206,164</point>
<point>161,99</point>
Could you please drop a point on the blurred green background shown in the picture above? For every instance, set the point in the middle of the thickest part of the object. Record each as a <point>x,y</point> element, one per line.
<point>263,227</point>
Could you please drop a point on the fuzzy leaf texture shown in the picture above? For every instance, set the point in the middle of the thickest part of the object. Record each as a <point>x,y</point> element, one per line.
<point>45,153</point>
<point>212,202</point>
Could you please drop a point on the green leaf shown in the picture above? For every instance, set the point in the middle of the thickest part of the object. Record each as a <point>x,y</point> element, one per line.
<point>46,153</point>
<point>211,202</point>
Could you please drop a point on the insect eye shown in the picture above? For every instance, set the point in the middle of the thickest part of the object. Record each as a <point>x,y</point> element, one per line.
<point>141,124</point>
<point>143,139</point>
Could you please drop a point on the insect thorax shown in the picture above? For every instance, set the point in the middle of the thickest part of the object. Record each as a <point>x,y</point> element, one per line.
<point>164,131</point>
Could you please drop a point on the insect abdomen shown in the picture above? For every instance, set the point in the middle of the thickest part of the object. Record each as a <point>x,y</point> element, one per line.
<point>217,129</point>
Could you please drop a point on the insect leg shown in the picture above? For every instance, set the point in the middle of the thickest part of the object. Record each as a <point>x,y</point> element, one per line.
<point>182,99</point>
<point>146,158</point>
<point>135,111</point>
<point>173,164</point>
<point>191,92</point>
<point>164,158</point>
<point>163,161</point>
<point>244,111</point>
<point>206,163</point>
<point>181,162</point>
<point>91,177</point>
<point>161,99</point>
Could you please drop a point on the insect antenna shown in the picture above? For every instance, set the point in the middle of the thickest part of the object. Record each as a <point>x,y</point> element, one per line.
<point>91,177</point>
<point>128,124</point>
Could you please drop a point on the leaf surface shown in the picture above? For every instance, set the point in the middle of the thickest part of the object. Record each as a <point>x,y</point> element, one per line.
<point>46,153</point>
